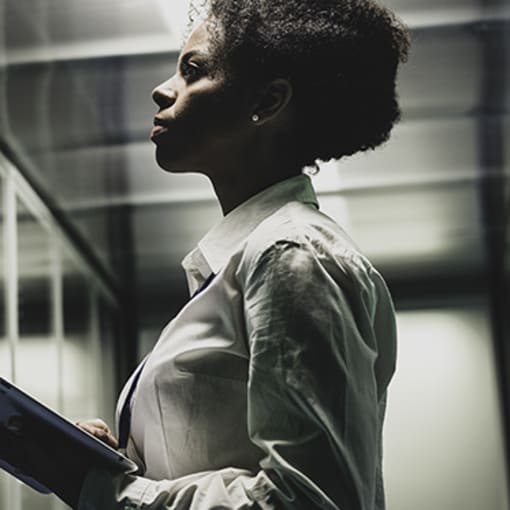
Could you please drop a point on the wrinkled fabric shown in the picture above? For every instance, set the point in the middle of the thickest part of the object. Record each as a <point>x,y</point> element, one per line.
<point>268,389</point>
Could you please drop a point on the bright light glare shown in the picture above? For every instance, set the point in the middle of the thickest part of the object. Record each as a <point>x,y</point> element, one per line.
<point>176,17</point>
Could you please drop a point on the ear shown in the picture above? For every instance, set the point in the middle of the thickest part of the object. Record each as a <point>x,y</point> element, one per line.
<point>273,100</point>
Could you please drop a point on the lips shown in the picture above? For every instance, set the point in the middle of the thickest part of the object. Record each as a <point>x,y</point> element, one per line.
<point>158,129</point>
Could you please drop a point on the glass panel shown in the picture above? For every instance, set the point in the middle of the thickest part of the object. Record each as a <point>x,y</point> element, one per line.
<point>79,384</point>
<point>36,357</point>
<point>36,352</point>
<point>4,346</point>
<point>91,333</point>
<point>109,333</point>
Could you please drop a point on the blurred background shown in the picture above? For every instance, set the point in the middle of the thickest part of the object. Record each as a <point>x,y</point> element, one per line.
<point>92,232</point>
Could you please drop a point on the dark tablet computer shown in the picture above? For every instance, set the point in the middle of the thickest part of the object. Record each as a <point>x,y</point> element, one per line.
<point>17,407</point>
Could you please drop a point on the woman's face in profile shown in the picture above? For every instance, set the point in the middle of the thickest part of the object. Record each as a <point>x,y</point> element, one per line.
<point>200,120</point>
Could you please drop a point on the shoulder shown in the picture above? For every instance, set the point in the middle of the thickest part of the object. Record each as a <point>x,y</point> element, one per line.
<point>298,236</point>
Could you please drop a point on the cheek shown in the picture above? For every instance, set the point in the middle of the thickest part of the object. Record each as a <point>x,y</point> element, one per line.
<point>209,106</point>
<point>198,114</point>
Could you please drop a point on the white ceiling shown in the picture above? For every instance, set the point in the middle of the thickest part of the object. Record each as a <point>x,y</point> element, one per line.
<point>73,29</point>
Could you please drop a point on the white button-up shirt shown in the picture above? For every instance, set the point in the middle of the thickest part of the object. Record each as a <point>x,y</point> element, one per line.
<point>268,389</point>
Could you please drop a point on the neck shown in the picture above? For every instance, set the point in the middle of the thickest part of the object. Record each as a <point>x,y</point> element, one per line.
<point>259,159</point>
<point>246,180</point>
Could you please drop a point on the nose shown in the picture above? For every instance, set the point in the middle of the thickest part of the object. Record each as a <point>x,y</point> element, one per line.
<point>164,95</point>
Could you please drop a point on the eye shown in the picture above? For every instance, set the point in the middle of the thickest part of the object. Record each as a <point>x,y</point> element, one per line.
<point>190,70</point>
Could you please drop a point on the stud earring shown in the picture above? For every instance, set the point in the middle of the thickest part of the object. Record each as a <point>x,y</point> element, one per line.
<point>255,117</point>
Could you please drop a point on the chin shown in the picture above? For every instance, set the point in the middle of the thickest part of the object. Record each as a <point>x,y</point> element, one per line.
<point>169,164</point>
<point>171,168</point>
<point>174,164</point>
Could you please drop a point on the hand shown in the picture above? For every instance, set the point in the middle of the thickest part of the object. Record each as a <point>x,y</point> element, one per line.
<point>98,428</point>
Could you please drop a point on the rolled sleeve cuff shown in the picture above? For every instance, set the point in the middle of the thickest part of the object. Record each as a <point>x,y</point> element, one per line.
<point>102,490</point>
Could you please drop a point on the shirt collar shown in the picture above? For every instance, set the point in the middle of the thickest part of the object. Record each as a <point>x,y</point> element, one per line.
<point>216,247</point>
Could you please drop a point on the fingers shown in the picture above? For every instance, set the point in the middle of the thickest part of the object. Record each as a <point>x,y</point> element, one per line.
<point>99,429</point>
<point>96,423</point>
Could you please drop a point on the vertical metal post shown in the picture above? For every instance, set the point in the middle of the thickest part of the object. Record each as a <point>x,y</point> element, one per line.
<point>11,271</point>
<point>11,302</point>
<point>57,320</point>
<point>57,314</point>
<point>493,202</point>
<point>95,359</point>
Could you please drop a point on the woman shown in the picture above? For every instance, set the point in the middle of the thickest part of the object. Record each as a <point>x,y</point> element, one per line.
<point>268,389</point>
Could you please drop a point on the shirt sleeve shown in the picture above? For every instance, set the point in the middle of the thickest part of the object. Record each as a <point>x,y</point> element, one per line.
<point>313,404</point>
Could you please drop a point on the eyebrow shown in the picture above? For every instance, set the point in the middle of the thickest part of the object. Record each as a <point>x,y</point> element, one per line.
<point>192,53</point>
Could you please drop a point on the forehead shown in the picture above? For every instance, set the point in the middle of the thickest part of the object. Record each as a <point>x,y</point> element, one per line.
<point>198,40</point>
